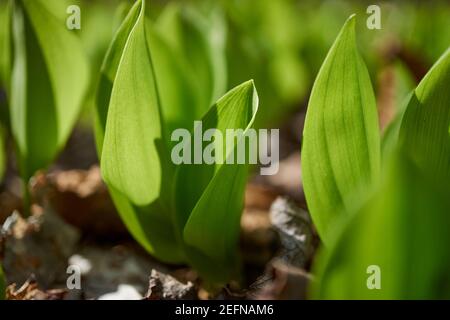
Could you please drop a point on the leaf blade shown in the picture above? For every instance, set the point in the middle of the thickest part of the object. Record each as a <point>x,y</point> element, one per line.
<point>151,225</point>
<point>341,143</point>
<point>45,101</point>
<point>108,74</point>
<point>210,220</point>
<point>130,161</point>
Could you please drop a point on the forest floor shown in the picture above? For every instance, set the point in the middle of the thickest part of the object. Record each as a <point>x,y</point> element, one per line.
<point>74,223</point>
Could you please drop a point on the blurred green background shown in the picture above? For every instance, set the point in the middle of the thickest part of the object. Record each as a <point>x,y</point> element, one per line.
<point>281,44</point>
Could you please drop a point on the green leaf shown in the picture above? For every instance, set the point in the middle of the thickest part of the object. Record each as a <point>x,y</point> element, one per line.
<point>209,212</point>
<point>424,132</point>
<point>131,142</point>
<point>109,71</point>
<point>151,224</point>
<point>341,143</point>
<point>130,159</point>
<point>403,230</point>
<point>49,81</point>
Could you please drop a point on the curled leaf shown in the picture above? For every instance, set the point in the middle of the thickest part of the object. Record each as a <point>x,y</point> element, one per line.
<point>209,214</point>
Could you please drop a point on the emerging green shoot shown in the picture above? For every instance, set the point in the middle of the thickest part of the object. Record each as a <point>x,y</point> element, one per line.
<point>394,245</point>
<point>341,141</point>
<point>136,108</point>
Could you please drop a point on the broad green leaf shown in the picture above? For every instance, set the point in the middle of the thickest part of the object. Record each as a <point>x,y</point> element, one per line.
<point>130,160</point>
<point>49,80</point>
<point>109,71</point>
<point>424,132</point>
<point>152,224</point>
<point>424,33</point>
<point>2,284</point>
<point>403,231</point>
<point>341,143</point>
<point>209,197</point>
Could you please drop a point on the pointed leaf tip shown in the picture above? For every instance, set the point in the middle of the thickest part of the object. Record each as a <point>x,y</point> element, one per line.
<point>130,158</point>
<point>340,151</point>
<point>425,125</point>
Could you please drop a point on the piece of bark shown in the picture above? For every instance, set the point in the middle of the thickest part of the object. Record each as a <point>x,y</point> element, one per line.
<point>38,246</point>
<point>285,277</point>
<point>165,287</point>
<point>281,282</point>
<point>294,227</point>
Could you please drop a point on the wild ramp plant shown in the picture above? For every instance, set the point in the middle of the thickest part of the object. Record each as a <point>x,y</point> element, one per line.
<point>45,73</point>
<point>389,217</point>
<point>341,142</point>
<point>188,213</point>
